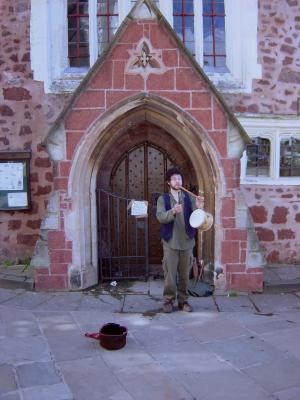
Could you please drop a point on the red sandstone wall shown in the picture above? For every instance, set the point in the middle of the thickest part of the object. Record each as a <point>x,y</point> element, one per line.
<point>279,54</point>
<point>276,215</point>
<point>25,116</point>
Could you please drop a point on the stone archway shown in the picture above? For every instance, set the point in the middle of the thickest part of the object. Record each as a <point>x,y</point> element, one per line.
<point>135,167</point>
<point>90,159</point>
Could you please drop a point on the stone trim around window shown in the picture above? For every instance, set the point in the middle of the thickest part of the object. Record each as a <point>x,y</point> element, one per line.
<point>275,130</point>
<point>49,44</point>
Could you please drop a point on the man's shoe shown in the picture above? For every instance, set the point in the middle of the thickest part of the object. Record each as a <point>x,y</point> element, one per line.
<point>185,306</point>
<point>168,306</point>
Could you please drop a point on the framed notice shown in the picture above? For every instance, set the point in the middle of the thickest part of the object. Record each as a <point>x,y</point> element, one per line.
<point>14,180</point>
<point>139,209</point>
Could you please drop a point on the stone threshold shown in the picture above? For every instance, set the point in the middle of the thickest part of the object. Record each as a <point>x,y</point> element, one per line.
<point>16,277</point>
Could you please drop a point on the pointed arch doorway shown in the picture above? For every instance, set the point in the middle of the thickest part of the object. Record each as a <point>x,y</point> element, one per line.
<point>135,168</point>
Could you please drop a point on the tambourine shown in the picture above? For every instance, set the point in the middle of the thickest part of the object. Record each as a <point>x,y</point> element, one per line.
<point>201,220</point>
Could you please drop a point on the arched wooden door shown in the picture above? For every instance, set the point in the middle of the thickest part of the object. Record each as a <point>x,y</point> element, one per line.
<point>139,175</point>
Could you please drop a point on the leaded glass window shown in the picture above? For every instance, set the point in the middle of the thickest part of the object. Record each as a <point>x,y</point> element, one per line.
<point>290,157</point>
<point>258,157</point>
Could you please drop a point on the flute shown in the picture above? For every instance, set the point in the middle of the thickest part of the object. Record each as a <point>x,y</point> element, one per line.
<point>192,194</point>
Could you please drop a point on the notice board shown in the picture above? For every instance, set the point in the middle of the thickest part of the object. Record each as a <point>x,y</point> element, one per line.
<point>14,180</point>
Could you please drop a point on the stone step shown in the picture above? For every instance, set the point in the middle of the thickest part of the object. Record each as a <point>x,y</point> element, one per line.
<point>16,276</point>
<point>282,278</point>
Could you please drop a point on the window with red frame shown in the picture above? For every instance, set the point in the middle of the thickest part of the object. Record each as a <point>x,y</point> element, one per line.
<point>78,33</point>
<point>183,22</point>
<point>214,53</point>
<point>107,21</point>
<point>132,2</point>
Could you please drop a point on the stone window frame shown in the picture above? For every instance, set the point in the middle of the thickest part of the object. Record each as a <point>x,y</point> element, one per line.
<point>274,129</point>
<point>49,44</point>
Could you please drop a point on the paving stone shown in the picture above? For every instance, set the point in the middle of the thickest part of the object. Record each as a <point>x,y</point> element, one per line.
<point>27,300</point>
<point>59,391</point>
<point>268,303</point>
<point>286,341</point>
<point>136,380</point>
<point>7,379</point>
<point>22,329</point>
<point>11,396</point>
<point>248,319</point>
<point>122,395</point>
<point>56,322</point>
<point>20,323</point>
<point>129,356</point>
<point>292,315</point>
<point>288,394</point>
<point>111,304</point>
<point>276,376</point>
<point>139,287</point>
<point>203,303</point>
<point>222,383</point>
<point>245,351</point>
<point>141,304</point>
<point>272,326</point>
<point>37,374</point>
<point>159,332</point>
<point>16,351</point>
<point>103,303</point>
<point>156,288</point>
<point>239,303</point>
<point>207,327</point>
<point>62,301</point>
<point>93,320</point>
<point>70,345</point>
<point>6,294</point>
<point>90,379</point>
<point>89,302</point>
<point>186,357</point>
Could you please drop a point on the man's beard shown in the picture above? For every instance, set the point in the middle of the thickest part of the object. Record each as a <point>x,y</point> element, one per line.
<point>177,187</point>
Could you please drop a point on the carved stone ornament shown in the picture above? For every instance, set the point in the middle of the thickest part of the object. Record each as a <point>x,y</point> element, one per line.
<point>145,60</point>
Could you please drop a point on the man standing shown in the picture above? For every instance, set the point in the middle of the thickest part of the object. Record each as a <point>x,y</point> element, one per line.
<point>178,238</point>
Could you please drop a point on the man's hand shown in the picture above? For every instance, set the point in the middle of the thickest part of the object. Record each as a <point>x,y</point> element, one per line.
<point>199,202</point>
<point>177,209</point>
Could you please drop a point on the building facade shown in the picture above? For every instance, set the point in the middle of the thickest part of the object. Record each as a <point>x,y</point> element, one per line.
<point>102,96</point>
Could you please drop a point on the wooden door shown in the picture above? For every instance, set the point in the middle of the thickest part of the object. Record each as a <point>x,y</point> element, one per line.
<point>140,175</point>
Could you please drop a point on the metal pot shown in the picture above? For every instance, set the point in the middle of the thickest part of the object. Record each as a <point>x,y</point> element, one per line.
<point>111,336</point>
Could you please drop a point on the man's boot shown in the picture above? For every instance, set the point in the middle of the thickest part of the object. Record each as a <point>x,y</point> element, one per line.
<point>168,306</point>
<point>185,306</point>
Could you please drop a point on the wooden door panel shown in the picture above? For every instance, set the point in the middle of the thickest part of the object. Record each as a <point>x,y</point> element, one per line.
<point>140,175</point>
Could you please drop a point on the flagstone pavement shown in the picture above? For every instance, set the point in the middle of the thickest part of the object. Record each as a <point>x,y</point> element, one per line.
<point>245,347</point>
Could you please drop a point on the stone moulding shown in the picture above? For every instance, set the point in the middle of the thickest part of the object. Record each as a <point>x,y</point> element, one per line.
<point>145,60</point>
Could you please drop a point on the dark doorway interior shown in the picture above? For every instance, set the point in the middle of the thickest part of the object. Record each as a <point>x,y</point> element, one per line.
<point>135,169</point>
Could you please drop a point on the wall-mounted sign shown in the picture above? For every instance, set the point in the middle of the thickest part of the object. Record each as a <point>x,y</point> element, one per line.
<point>139,208</point>
<point>14,180</point>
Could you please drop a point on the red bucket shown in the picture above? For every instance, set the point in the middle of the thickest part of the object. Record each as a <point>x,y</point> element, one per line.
<point>111,336</point>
